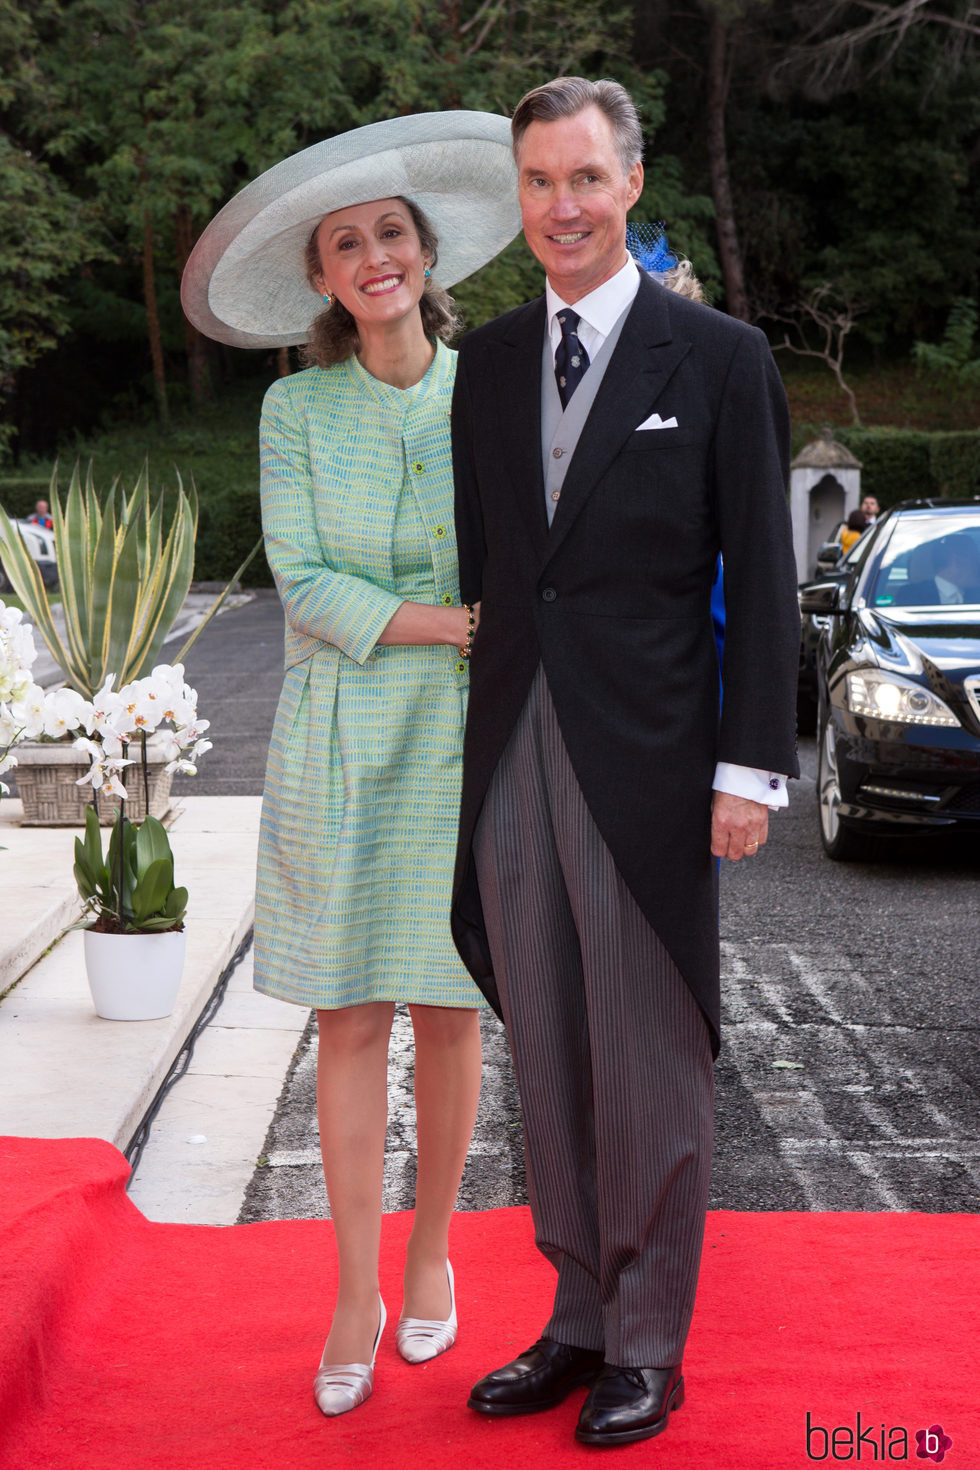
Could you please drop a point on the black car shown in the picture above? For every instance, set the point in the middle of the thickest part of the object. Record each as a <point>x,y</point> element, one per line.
<point>814,625</point>
<point>897,673</point>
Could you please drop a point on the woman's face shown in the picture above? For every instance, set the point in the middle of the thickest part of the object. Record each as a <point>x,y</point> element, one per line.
<point>372,261</point>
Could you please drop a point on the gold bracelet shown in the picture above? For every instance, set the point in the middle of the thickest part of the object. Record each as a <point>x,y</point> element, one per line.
<point>465,649</point>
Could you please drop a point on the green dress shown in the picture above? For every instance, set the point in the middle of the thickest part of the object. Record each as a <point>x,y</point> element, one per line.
<point>361,803</point>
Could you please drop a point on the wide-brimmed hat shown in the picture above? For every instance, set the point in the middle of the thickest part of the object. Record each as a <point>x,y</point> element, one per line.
<point>245,282</point>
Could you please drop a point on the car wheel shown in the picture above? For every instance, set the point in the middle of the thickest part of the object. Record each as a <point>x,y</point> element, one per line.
<point>839,842</point>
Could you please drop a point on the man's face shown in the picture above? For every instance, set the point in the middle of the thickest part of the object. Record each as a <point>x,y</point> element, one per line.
<point>869,505</point>
<point>574,198</point>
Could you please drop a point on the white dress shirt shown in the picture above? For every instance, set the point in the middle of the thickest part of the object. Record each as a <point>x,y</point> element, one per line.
<point>598,313</point>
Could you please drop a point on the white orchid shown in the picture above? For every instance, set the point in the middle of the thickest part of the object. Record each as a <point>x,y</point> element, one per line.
<point>187,762</point>
<point>103,774</point>
<point>144,706</point>
<point>15,681</point>
<point>16,636</point>
<point>29,711</point>
<point>64,712</point>
<point>23,704</point>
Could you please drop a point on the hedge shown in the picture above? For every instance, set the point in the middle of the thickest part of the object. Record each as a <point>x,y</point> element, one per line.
<point>902,464</point>
<point>216,449</point>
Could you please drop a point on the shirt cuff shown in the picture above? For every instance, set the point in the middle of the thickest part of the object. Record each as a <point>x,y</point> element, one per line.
<point>755,785</point>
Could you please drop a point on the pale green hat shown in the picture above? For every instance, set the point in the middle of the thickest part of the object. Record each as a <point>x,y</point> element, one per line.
<point>245,282</point>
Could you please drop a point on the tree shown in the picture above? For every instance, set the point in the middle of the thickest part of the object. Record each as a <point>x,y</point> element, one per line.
<point>956,357</point>
<point>47,231</point>
<point>823,316</point>
<point>751,82</point>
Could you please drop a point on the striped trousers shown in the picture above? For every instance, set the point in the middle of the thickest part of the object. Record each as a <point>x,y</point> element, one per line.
<point>612,1056</point>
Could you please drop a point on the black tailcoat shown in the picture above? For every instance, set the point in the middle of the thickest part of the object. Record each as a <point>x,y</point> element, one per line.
<point>614,598</point>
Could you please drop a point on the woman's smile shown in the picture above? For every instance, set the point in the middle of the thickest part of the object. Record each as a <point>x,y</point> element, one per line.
<point>381,284</point>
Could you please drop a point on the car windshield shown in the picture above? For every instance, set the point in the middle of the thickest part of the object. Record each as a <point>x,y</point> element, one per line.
<point>930,561</point>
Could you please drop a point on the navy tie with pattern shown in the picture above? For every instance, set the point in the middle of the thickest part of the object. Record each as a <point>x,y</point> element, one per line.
<point>571,358</point>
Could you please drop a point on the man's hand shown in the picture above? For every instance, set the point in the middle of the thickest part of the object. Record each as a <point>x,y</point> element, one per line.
<point>739,827</point>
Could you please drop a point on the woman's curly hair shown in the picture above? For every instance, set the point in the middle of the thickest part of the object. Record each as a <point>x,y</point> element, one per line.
<point>333,333</point>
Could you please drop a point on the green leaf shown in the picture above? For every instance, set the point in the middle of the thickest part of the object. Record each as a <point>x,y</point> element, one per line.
<point>152,843</point>
<point>152,890</point>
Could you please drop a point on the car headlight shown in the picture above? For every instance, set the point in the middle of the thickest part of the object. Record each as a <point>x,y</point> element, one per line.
<point>885,697</point>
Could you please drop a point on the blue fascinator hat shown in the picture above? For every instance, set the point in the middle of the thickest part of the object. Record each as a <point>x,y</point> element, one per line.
<point>647,243</point>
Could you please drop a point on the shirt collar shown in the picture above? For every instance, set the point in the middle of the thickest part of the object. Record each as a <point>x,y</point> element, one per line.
<point>602,307</point>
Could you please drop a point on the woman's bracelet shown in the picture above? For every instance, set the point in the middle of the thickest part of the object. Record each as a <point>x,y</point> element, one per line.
<point>465,649</point>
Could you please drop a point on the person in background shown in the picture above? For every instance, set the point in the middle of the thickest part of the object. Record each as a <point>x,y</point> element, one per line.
<point>42,516</point>
<point>857,524</point>
<point>871,509</point>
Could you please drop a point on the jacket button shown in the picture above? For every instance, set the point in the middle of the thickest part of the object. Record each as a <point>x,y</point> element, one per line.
<point>439,531</point>
<point>418,466</point>
<point>461,667</point>
<point>549,595</point>
<point>447,599</point>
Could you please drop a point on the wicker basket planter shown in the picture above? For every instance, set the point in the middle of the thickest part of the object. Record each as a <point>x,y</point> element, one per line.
<point>46,773</point>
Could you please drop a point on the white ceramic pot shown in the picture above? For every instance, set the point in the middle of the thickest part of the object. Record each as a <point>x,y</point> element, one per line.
<point>134,977</point>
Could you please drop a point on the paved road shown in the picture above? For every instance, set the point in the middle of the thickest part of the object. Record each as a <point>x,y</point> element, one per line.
<point>850,1074</point>
<point>236,668</point>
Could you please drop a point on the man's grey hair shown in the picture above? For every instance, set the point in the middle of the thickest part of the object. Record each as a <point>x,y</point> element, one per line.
<point>568,96</point>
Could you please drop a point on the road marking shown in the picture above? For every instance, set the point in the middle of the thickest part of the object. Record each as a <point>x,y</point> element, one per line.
<point>780,1004</point>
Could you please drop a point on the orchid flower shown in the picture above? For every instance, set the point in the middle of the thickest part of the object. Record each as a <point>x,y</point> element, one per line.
<point>103,774</point>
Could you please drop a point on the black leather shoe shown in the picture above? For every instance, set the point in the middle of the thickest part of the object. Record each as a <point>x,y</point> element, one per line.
<point>539,1378</point>
<point>627,1404</point>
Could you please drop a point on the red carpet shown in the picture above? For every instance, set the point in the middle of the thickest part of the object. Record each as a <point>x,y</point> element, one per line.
<point>136,1346</point>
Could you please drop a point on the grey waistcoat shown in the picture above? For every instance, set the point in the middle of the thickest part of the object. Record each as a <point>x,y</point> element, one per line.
<point>560,429</point>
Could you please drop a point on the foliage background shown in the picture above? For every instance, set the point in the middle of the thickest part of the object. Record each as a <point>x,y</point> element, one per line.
<point>790,143</point>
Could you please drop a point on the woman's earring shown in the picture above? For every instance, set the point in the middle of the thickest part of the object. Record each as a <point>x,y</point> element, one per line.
<point>327,298</point>
<point>428,273</point>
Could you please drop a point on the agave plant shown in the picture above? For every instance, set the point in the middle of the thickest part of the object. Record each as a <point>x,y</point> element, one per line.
<point>123,581</point>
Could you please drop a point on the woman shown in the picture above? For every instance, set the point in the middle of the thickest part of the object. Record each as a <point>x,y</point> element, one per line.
<point>359,817</point>
<point>857,524</point>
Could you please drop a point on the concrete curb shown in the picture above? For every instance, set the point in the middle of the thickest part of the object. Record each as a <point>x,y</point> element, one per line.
<point>65,1072</point>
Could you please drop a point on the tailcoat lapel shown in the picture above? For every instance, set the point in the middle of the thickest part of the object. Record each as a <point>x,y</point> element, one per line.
<point>643,362</point>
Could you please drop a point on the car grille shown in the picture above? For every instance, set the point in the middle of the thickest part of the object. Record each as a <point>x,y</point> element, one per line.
<point>966,800</point>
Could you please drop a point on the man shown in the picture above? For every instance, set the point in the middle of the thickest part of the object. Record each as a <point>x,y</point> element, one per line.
<point>651,433</point>
<point>42,515</point>
<point>871,509</point>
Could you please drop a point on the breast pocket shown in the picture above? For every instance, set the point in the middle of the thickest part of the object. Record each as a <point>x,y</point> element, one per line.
<point>643,441</point>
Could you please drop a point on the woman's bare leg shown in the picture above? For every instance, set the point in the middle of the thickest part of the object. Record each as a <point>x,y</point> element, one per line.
<point>448,1070</point>
<point>352,1108</point>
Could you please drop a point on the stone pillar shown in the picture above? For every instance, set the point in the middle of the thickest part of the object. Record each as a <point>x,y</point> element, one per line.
<point>824,487</point>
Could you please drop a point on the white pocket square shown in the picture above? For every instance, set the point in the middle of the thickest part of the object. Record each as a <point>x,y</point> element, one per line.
<point>656,422</point>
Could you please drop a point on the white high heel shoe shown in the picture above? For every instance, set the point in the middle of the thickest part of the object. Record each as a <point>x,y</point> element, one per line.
<point>340,1387</point>
<point>418,1340</point>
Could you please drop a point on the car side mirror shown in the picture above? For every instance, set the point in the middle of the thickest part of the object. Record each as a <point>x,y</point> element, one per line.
<point>828,556</point>
<point>821,599</point>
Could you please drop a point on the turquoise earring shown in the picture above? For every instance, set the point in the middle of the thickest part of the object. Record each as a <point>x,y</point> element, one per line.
<point>428,273</point>
<point>326,298</point>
